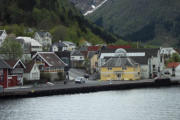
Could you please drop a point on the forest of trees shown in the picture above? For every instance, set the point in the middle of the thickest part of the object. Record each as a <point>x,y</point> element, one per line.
<point>60,17</point>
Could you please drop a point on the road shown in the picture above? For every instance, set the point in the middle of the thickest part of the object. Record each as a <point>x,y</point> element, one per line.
<point>73,73</point>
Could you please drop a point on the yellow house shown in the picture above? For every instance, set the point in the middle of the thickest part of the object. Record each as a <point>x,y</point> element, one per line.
<point>94,62</point>
<point>120,68</point>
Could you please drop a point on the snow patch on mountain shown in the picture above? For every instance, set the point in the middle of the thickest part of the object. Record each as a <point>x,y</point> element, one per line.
<point>94,8</point>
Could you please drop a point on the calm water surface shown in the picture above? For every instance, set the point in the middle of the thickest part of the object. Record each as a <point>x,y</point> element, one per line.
<point>139,104</point>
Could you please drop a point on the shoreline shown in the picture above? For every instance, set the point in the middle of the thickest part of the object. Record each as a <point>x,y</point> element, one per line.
<point>82,88</point>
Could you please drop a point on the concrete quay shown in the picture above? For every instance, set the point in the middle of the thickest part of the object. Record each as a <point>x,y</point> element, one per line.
<point>72,88</point>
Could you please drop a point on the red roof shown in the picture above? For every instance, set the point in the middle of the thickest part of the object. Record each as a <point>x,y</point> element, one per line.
<point>93,48</point>
<point>118,46</point>
<point>173,64</point>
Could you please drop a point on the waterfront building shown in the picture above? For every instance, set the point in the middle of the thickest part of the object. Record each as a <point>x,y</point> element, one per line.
<point>17,69</point>
<point>32,72</point>
<point>120,67</point>
<point>6,80</point>
<point>151,61</point>
<point>49,62</point>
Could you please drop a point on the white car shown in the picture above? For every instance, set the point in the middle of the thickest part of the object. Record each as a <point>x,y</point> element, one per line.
<point>80,80</point>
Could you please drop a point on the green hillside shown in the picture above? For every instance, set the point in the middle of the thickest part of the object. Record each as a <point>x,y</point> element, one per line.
<point>59,17</point>
<point>151,21</point>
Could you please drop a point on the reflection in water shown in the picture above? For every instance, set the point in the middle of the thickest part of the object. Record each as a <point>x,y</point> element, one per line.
<point>140,104</point>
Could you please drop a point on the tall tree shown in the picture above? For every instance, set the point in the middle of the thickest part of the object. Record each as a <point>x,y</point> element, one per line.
<point>11,49</point>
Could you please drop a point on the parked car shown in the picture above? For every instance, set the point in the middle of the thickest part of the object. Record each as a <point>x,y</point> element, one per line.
<point>86,76</point>
<point>49,84</point>
<point>80,80</point>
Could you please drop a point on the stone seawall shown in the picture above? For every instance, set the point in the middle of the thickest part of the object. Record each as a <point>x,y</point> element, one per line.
<point>85,88</point>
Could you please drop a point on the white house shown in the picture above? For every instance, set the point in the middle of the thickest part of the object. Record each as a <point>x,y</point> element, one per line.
<point>44,38</point>
<point>32,71</point>
<point>60,46</point>
<point>27,42</point>
<point>77,59</point>
<point>3,36</point>
<point>167,51</point>
<point>70,45</point>
<point>77,56</point>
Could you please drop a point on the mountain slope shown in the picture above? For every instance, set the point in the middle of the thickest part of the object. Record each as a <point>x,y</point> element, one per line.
<point>86,5</point>
<point>150,21</point>
<point>58,16</point>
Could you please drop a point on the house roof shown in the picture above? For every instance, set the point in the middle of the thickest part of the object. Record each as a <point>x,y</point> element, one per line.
<point>29,66</point>
<point>14,63</point>
<point>76,53</point>
<point>33,42</point>
<point>60,44</point>
<point>119,62</point>
<point>149,52</point>
<point>118,46</point>
<point>143,60</point>
<point>3,64</point>
<point>51,59</point>
<point>173,64</point>
<point>93,48</point>
<point>63,54</point>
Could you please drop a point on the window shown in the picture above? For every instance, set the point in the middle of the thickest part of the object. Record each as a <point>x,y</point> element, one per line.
<point>109,68</point>
<point>124,67</point>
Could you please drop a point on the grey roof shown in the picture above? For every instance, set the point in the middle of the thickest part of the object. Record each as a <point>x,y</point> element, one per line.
<point>141,60</point>
<point>120,62</point>
<point>3,64</point>
<point>51,59</point>
<point>76,53</point>
<point>60,44</point>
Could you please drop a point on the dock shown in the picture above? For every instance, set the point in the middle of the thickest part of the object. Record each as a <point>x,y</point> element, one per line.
<point>72,88</point>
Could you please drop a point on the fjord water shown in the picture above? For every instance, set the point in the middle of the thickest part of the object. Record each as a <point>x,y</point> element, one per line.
<point>137,104</point>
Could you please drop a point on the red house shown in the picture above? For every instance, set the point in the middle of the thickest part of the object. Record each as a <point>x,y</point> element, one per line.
<point>6,80</point>
<point>17,69</point>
